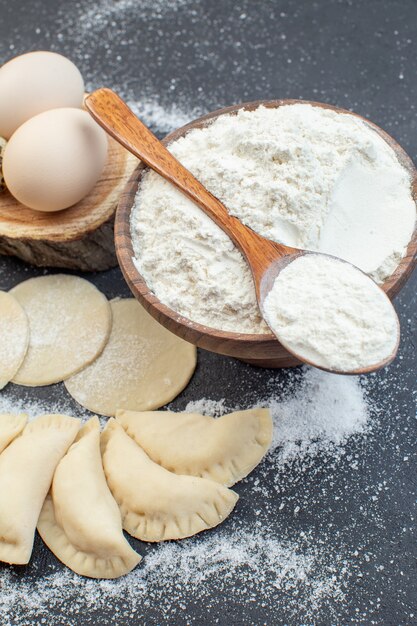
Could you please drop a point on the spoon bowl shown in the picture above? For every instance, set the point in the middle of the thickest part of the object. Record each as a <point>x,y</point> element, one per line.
<point>318,306</point>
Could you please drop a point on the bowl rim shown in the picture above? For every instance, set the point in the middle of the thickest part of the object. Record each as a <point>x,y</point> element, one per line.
<point>163,313</point>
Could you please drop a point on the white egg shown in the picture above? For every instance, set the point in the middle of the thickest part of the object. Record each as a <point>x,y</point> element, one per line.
<point>37,82</point>
<point>54,159</point>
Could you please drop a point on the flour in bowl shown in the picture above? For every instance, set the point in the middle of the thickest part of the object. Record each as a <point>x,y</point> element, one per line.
<point>302,175</point>
<point>331,314</point>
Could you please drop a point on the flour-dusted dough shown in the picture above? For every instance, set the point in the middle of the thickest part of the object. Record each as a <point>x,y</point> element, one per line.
<point>142,367</point>
<point>10,427</point>
<point>80,520</point>
<point>69,320</point>
<point>224,449</point>
<point>156,504</point>
<point>14,337</point>
<point>27,466</point>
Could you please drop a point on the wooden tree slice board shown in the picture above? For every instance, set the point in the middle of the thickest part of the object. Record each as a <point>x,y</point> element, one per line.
<point>80,237</point>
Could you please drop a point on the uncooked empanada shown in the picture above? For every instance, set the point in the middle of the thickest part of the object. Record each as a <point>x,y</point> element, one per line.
<point>80,520</point>
<point>10,427</point>
<point>27,466</point>
<point>155,503</point>
<point>225,449</point>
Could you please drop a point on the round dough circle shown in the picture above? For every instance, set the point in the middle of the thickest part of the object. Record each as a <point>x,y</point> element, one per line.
<point>69,322</point>
<point>142,367</point>
<point>14,337</point>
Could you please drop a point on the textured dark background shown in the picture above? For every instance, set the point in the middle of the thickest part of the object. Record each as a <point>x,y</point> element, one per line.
<point>194,57</point>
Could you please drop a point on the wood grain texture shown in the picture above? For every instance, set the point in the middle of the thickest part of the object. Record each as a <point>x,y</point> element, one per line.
<point>80,237</point>
<point>262,350</point>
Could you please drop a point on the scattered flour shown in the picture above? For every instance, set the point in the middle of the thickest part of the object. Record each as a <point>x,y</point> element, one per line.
<point>300,174</point>
<point>163,119</point>
<point>15,399</point>
<point>331,314</point>
<point>251,565</point>
<point>214,408</point>
<point>109,29</point>
<point>320,416</point>
<point>248,559</point>
<point>101,15</point>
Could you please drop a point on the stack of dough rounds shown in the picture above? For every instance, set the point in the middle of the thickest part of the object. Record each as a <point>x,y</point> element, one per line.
<point>142,367</point>
<point>14,337</point>
<point>69,321</point>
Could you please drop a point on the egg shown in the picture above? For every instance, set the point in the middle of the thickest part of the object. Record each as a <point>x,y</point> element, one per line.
<point>36,82</point>
<point>54,159</point>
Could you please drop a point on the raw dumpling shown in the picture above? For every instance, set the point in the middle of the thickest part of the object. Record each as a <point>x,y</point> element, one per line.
<point>10,427</point>
<point>142,367</point>
<point>155,503</point>
<point>14,336</point>
<point>80,520</point>
<point>27,466</point>
<point>225,449</point>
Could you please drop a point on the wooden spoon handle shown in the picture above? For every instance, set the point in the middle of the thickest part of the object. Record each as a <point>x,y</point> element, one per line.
<point>113,114</point>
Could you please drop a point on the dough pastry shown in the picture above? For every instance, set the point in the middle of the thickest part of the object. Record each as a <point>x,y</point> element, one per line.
<point>69,320</point>
<point>10,427</point>
<point>14,337</point>
<point>80,520</point>
<point>27,466</point>
<point>156,504</point>
<point>224,449</point>
<point>143,366</point>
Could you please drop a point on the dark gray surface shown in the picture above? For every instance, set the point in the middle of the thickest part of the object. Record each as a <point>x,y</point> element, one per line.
<point>199,56</point>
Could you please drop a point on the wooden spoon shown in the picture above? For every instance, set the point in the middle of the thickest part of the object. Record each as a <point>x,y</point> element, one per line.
<point>266,258</point>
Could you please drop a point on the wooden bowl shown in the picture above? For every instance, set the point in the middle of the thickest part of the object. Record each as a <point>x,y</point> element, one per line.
<point>261,349</point>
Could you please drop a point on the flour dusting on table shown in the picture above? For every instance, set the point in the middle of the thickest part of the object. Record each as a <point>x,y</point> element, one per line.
<point>267,564</point>
<point>319,414</point>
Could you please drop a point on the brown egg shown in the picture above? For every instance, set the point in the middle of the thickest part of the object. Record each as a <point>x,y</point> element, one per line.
<point>37,82</point>
<point>54,159</point>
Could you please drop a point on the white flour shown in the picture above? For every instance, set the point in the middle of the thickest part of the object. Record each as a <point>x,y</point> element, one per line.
<point>163,119</point>
<point>331,314</point>
<point>299,174</point>
<point>250,564</point>
<point>319,417</point>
